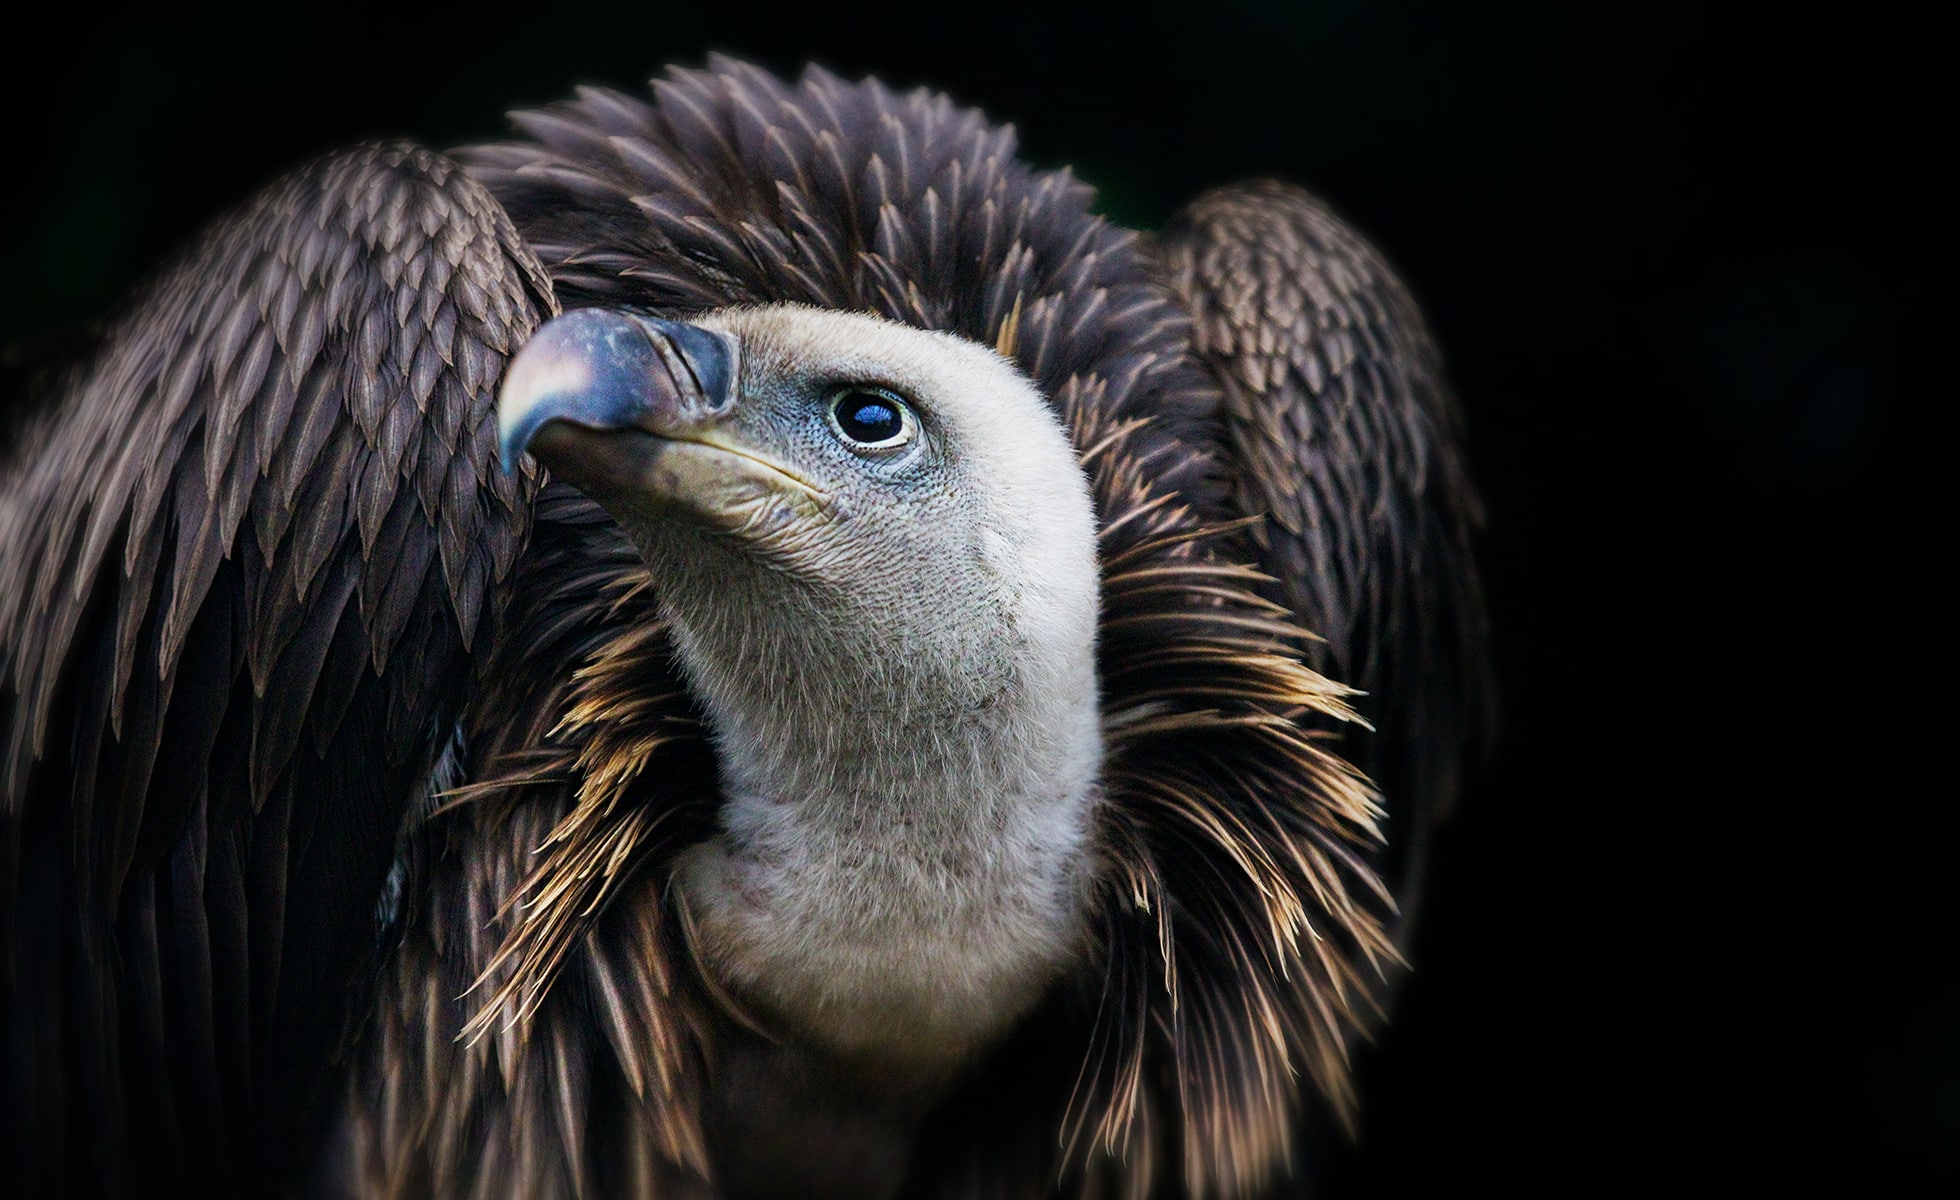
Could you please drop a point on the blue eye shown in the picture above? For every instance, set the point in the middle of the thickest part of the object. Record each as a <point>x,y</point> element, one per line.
<point>871,418</point>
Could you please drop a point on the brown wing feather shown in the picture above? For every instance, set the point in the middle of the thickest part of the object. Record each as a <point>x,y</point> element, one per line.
<point>1348,441</point>
<point>242,563</point>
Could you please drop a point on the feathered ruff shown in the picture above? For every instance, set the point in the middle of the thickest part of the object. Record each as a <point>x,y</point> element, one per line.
<point>543,1027</point>
<point>538,1030</point>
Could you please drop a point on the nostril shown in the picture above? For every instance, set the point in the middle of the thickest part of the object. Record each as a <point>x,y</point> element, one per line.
<point>704,363</point>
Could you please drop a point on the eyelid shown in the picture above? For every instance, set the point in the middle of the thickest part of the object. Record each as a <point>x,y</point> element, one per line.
<point>888,391</point>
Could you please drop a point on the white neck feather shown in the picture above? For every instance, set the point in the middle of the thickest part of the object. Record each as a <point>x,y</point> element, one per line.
<point>903,865</point>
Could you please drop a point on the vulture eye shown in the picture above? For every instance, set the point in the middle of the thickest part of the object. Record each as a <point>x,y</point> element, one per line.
<point>871,418</point>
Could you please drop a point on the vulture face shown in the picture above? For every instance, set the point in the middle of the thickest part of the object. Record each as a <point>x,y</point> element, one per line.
<point>877,554</point>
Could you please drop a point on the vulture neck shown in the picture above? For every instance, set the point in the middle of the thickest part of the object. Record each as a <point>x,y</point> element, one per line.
<point>902,868</point>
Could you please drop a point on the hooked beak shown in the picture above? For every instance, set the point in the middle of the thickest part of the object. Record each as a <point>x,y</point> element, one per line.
<point>604,370</point>
<point>632,411</point>
<point>595,394</point>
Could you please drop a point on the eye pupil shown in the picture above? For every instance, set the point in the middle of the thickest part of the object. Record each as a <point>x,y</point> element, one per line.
<point>878,417</point>
<point>869,418</point>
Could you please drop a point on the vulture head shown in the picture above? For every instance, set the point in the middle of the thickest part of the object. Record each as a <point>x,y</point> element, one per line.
<point>877,557</point>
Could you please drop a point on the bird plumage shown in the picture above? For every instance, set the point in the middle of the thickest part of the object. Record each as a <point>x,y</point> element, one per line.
<point>312,509</point>
<point>1350,444</point>
<point>245,561</point>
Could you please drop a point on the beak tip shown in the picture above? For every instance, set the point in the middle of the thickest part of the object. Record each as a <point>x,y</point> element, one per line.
<point>551,375</point>
<point>510,447</point>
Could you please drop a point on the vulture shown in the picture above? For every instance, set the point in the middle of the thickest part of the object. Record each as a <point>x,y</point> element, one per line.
<point>742,642</point>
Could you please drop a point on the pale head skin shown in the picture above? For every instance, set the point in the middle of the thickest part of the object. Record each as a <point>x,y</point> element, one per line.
<point>896,652</point>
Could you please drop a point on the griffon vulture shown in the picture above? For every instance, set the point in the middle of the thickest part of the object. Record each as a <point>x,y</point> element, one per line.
<point>739,643</point>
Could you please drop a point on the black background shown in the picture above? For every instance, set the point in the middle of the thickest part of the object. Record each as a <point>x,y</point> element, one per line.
<point>1691,271</point>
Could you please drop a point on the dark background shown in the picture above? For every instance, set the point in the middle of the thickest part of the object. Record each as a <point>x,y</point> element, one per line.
<point>1692,274</point>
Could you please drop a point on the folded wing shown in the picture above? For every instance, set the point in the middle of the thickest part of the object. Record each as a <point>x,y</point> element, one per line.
<point>1348,442</point>
<point>244,562</point>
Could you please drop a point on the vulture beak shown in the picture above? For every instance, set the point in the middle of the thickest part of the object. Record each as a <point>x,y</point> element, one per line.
<point>631,410</point>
